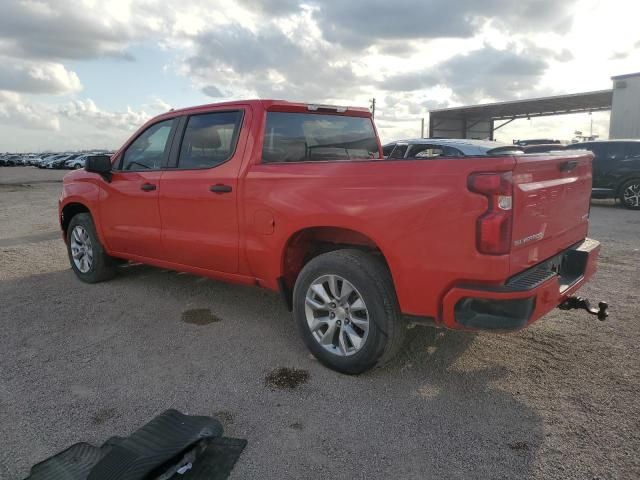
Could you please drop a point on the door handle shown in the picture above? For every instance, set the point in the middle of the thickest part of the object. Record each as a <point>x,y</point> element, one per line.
<point>220,188</point>
<point>148,187</point>
<point>568,166</point>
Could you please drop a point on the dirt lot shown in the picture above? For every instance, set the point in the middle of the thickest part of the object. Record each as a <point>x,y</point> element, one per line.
<point>82,363</point>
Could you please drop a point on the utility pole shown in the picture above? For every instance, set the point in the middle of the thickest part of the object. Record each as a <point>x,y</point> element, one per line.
<point>422,128</point>
<point>373,107</point>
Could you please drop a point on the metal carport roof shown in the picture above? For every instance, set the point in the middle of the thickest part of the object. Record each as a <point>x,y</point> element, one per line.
<point>477,121</point>
<point>533,107</point>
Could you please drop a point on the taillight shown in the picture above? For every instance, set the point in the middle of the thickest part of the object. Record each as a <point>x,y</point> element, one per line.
<point>493,228</point>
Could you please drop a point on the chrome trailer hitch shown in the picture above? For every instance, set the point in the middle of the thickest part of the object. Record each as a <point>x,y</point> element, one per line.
<point>579,303</point>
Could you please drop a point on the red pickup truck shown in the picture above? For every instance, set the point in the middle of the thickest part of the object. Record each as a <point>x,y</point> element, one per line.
<point>298,198</point>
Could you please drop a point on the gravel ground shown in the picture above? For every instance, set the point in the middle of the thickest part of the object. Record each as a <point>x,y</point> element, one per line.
<point>82,363</point>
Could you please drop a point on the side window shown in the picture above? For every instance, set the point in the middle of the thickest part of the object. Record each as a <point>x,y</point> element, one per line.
<point>387,149</point>
<point>426,151</point>
<point>633,149</point>
<point>209,139</point>
<point>596,149</point>
<point>399,151</point>
<point>452,152</point>
<point>614,151</point>
<point>150,149</point>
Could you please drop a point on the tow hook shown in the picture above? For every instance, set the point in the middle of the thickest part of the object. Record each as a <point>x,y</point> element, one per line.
<point>579,303</point>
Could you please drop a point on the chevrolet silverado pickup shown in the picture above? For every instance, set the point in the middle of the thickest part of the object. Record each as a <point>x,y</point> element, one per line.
<point>299,199</point>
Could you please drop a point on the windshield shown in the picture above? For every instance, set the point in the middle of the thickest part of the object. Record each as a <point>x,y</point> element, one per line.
<point>300,137</point>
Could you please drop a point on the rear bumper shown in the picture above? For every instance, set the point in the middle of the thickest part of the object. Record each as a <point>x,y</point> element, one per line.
<point>524,298</point>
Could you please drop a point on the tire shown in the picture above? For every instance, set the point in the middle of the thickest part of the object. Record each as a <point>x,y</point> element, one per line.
<point>81,235</point>
<point>627,197</point>
<point>371,282</point>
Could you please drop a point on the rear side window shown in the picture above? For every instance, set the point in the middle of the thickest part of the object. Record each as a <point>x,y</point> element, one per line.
<point>633,149</point>
<point>209,139</point>
<point>302,137</point>
<point>387,149</point>
<point>399,151</point>
<point>614,151</point>
<point>433,151</point>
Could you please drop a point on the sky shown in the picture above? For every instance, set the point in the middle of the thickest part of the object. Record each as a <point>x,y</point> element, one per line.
<point>85,74</point>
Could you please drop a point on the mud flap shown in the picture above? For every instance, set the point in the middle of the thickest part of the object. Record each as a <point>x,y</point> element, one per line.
<point>172,446</point>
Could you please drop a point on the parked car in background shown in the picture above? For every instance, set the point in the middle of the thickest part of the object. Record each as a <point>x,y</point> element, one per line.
<point>542,148</point>
<point>535,141</point>
<point>45,161</point>
<point>616,170</point>
<point>298,199</point>
<point>11,160</point>
<point>60,162</point>
<point>446,147</point>
<point>75,163</point>
<point>30,159</point>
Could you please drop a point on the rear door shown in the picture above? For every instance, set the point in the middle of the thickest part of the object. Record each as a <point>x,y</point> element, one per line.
<point>550,205</point>
<point>199,191</point>
<point>130,214</point>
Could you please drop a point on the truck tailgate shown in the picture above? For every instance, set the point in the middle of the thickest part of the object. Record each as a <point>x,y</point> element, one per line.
<point>551,194</point>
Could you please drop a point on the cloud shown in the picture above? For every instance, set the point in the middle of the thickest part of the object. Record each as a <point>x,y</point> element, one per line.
<point>483,73</point>
<point>268,63</point>
<point>212,91</point>
<point>362,23</point>
<point>37,77</point>
<point>67,29</point>
<point>273,7</point>
<point>619,55</point>
<point>86,111</point>
<point>15,111</point>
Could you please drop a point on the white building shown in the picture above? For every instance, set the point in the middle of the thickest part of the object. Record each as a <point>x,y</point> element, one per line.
<point>625,107</point>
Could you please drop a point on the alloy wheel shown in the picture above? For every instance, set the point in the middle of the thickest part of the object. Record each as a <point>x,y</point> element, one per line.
<point>631,195</point>
<point>336,314</point>
<point>81,249</point>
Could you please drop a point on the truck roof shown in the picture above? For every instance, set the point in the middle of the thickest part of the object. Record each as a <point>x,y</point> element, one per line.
<point>279,105</point>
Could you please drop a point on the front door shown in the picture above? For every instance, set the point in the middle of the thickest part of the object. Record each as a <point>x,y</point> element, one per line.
<point>199,192</point>
<point>130,214</point>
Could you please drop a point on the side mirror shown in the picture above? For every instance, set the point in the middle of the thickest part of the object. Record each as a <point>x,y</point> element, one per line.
<point>100,164</point>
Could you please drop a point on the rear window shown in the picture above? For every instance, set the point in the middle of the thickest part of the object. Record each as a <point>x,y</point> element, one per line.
<point>209,139</point>
<point>306,137</point>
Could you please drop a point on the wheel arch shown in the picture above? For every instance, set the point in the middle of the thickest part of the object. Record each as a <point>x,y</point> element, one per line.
<point>307,243</point>
<point>69,211</point>
<point>625,179</point>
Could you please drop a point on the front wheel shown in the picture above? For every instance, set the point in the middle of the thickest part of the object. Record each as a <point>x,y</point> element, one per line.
<point>346,310</point>
<point>630,194</point>
<point>89,261</point>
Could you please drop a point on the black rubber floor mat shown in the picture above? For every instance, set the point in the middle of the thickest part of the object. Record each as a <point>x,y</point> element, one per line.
<point>171,446</point>
<point>217,461</point>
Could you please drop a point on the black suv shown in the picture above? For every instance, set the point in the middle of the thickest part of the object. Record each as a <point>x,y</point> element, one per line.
<point>616,170</point>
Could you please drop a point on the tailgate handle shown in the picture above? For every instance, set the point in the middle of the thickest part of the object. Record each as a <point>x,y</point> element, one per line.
<point>568,166</point>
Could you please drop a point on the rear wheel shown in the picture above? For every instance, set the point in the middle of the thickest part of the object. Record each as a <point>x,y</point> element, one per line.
<point>346,310</point>
<point>630,194</point>
<point>88,259</point>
